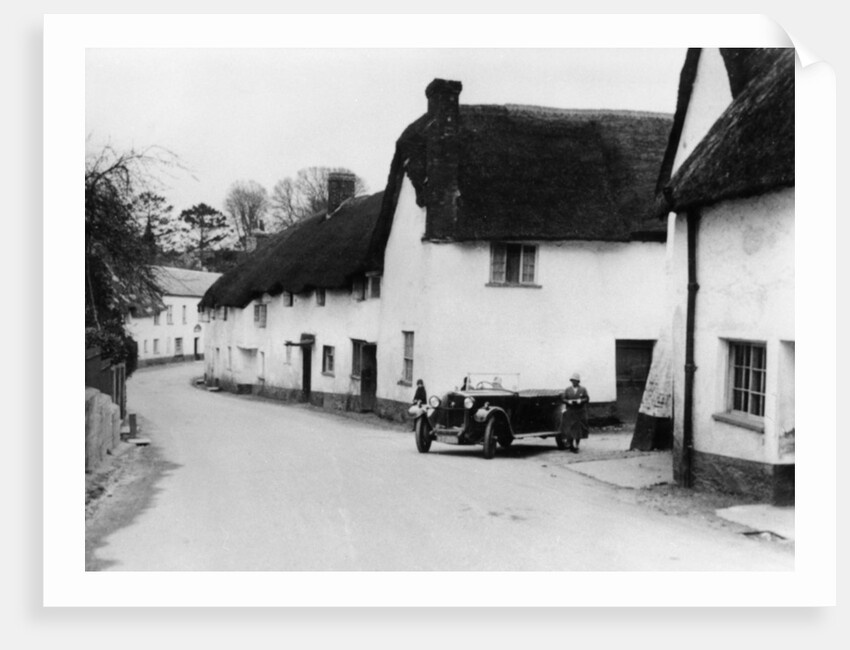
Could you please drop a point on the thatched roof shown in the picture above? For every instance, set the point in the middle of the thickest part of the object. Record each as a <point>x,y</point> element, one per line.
<point>533,173</point>
<point>183,282</point>
<point>749,150</point>
<point>318,252</point>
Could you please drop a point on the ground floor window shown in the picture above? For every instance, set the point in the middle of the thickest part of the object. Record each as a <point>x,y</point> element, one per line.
<point>145,346</point>
<point>747,371</point>
<point>407,369</point>
<point>328,359</point>
<point>156,346</point>
<point>178,346</point>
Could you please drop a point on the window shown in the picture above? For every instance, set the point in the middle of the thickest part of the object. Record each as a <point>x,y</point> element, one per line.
<point>747,365</point>
<point>288,355</point>
<point>320,297</point>
<point>229,358</point>
<point>358,289</point>
<point>287,299</point>
<point>261,370</point>
<point>184,314</point>
<point>260,315</point>
<point>375,286</point>
<point>328,360</point>
<point>146,346</point>
<point>168,345</point>
<point>156,346</point>
<point>224,313</point>
<point>512,263</point>
<point>156,318</point>
<point>356,358</point>
<point>169,315</point>
<point>407,370</point>
<point>178,347</point>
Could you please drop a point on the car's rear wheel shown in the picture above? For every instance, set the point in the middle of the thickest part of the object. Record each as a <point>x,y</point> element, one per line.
<point>423,440</point>
<point>491,434</point>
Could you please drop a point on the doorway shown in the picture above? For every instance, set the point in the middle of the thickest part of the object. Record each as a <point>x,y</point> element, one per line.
<point>306,344</point>
<point>368,377</point>
<point>633,359</point>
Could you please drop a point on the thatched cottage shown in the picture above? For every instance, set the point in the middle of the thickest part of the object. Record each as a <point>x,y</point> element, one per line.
<point>727,183</point>
<point>509,239</point>
<point>174,332</point>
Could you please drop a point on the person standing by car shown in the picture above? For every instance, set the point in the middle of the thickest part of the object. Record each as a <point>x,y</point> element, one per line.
<point>574,419</point>
<point>419,397</point>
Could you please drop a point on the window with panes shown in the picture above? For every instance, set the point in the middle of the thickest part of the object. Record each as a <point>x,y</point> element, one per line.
<point>747,373</point>
<point>513,263</point>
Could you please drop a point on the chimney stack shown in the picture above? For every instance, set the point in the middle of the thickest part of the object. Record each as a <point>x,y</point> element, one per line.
<point>442,154</point>
<point>340,189</point>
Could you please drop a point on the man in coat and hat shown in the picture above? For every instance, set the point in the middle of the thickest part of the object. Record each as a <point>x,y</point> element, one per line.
<point>574,419</point>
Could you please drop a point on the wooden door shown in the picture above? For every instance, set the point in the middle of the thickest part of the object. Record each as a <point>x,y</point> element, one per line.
<point>634,358</point>
<point>368,377</point>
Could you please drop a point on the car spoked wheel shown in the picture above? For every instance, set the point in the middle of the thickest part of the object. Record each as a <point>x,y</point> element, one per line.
<point>491,435</point>
<point>423,440</point>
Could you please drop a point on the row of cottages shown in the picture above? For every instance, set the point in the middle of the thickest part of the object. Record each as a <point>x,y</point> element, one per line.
<point>727,190</point>
<point>176,332</point>
<point>509,239</point>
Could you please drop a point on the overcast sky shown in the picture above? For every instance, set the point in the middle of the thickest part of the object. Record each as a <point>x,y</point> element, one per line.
<point>263,114</point>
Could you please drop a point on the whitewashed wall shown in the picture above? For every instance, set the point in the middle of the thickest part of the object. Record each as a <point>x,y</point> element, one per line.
<point>745,271</point>
<point>143,330</point>
<point>590,294</point>
<point>262,354</point>
<point>711,96</point>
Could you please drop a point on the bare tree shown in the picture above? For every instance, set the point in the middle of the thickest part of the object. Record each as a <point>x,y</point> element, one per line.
<point>247,203</point>
<point>118,273</point>
<point>307,194</point>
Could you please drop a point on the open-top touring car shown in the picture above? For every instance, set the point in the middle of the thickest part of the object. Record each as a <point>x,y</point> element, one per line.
<point>488,410</point>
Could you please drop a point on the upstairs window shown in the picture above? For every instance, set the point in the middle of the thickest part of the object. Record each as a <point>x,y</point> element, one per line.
<point>320,297</point>
<point>184,314</point>
<point>287,299</point>
<point>747,370</point>
<point>374,286</point>
<point>513,264</point>
<point>260,315</point>
<point>169,315</point>
<point>156,316</point>
<point>358,289</point>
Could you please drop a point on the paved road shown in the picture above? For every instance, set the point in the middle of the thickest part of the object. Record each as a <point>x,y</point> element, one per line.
<point>259,485</point>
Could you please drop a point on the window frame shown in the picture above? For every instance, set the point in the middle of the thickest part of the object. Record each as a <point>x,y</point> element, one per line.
<point>358,289</point>
<point>408,342</point>
<point>373,289</point>
<point>157,315</point>
<point>328,353</point>
<point>169,314</point>
<point>260,315</point>
<point>321,297</point>
<point>746,379</point>
<point>288,299</point>
<point>528,256</point>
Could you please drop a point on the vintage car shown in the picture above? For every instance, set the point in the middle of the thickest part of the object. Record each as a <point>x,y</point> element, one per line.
<point>488,410</point>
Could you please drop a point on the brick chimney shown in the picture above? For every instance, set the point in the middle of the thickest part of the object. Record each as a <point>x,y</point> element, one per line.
<point>442,154</point>
<point>340,189</point>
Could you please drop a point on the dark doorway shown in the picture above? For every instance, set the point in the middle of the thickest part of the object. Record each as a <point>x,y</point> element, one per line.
<point>633,360</point>
<point>306,344</point>
<point>197,352</point>
<point>368,377</point>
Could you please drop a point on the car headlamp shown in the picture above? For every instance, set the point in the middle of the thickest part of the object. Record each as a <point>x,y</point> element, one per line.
<point>434,401</point>
<point>468,403</point>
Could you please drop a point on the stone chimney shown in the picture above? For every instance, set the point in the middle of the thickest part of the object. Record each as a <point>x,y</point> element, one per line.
<point>442,153</point>
<point>340,189</point>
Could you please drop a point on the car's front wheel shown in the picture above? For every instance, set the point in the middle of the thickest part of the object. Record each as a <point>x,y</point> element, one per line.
<point>491,435</point>
<point>423,440</point>
<point>561,441</point>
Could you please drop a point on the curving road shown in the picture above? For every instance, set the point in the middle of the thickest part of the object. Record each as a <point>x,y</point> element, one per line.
<point>249,484</point>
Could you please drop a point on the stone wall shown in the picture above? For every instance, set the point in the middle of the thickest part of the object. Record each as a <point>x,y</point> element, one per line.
<point>103,427</point>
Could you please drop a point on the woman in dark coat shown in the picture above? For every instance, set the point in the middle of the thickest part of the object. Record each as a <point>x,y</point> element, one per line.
<point>574,419</point>
<point>420,395</point>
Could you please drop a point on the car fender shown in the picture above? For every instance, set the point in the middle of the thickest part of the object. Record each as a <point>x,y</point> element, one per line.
<point>487,412</point>
<point>416,411</point>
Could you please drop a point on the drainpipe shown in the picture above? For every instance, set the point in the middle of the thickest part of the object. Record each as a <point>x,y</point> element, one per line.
<point>685,467</point>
